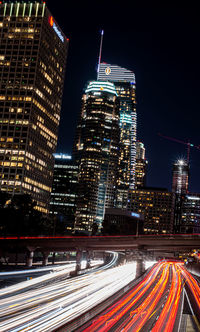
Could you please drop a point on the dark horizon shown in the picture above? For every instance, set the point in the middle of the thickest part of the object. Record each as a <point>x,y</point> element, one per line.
<point>160,44</point>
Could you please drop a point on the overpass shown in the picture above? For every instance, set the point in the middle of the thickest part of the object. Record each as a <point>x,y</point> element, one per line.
<point>139,245</point>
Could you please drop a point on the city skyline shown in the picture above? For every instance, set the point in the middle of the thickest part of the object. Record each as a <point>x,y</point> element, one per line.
<point>86,243</point>
<point>164,58</point>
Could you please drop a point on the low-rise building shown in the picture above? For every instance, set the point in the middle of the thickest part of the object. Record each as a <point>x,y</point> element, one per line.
<point>187,213</point>
<point>122,222</point>
<point>157,206</point>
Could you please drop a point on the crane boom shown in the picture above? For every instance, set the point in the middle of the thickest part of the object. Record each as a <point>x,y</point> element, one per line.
<point>174,139</point>
<point>189,145</point>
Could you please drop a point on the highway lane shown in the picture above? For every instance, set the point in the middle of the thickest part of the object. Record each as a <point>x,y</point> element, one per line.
<point>55,273</point>
<point>155,304</point>
<point>194,289</point>
<point>152,305</point>
<point>82,293</point>
<point>128,311</point>
<point>22,286</point>
<point>32,303</point>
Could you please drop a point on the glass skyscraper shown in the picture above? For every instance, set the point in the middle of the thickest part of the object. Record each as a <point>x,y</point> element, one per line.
<point>96,150</point>
<point>180,177</point>
<point>64,190</point>
<point>125,84</point>
<point>33,52</point>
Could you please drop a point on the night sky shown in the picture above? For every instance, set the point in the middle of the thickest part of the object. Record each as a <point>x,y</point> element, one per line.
<point>161,45</point>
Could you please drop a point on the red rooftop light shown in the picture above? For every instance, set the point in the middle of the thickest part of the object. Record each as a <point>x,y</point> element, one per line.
<point>51,21</point>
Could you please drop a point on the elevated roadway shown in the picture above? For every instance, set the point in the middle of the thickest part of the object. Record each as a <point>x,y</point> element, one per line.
<point>134,247</point>
<point>171,243</point>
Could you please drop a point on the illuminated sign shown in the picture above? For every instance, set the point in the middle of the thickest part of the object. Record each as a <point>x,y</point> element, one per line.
<point>133,214</point>
<point>193,198</point>
<point>107,71</point>
<point>57,31</point>
<point>62,156</point>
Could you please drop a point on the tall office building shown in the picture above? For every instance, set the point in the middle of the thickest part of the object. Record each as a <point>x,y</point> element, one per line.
<point>96,151</point>
<point>124,81</point>
<point>33,52</point>
<point>64,190</point>
<point>141,166</point>
<point>180,177</point>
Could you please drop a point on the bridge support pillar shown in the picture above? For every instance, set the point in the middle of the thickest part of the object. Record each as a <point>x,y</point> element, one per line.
<point>53,258</point>
<point>139,267</point>
<point>78,259</point>
<point>29,258</point>
<point>45,258</point>
<point>89,256</point>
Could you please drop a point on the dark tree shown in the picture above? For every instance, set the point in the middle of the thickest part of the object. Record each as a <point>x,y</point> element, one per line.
<point>20,218</point>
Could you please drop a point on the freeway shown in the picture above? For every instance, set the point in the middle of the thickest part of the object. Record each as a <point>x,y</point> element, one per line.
<point>154,304</point>
<point>44,308</point>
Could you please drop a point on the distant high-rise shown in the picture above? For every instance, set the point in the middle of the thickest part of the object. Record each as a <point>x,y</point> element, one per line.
<point>124,81</point>
<point>141,166</point>
<point>96,150</point>
<point>33,52</point>
<point>64,190</point>
<point>180,177</point>
<point>140,150</point>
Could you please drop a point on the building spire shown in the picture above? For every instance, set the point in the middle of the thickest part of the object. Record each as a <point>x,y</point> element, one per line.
<point>100,51</point>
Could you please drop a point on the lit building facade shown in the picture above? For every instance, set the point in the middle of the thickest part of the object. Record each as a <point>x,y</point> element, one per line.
<point>187,214</point>
<point>156,205</point>
<point>141,166</point>
<point>125,84</point>
<point>180,177</point>
<point>33,52</point>
<point>96,150</point>
<point>64,190</point>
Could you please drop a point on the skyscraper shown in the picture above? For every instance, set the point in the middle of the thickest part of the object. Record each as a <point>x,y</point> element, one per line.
<point>124,81</point>
<point>180,177</point>
<point>141,166</point>
<point>33,52</point>
<point>64,190</point>
<point>96,150</point>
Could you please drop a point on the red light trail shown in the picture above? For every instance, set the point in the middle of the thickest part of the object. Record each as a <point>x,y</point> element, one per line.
<point>153,304</point>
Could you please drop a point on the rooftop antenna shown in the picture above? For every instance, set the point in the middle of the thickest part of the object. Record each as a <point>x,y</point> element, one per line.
<point>100,50</point>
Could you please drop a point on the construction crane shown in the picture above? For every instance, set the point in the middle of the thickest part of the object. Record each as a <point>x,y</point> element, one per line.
<point>189,145</point>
